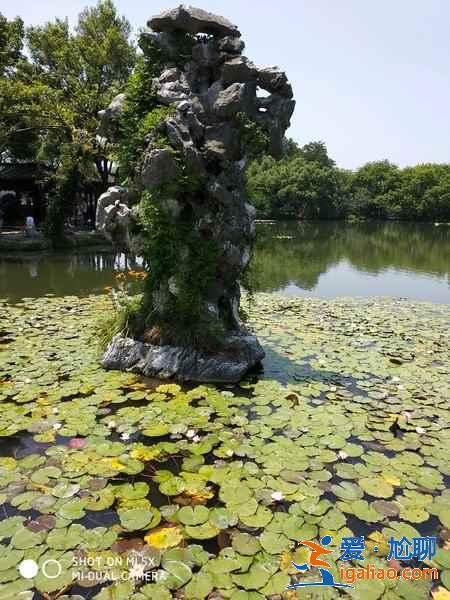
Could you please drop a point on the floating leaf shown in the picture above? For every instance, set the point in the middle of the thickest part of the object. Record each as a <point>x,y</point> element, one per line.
<point>376,486</point>
<point>245,544</point>
<point>164,537</point>
<point>134,519</point>
<point>202,532</point>
<point>195,515</point>
<point>274,543</point>
<point>199,587</point>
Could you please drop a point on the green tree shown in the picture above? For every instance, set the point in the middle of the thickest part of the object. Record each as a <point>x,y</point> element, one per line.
<point>17,99</point>
<point>11,44</point>
<point>303,184</point>
<point>86,69</point>
<point>424,192</point>
<point>49,102</point>
<point>375,189</point>
<point>317,152</point>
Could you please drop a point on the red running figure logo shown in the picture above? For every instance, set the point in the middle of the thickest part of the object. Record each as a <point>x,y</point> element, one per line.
<point>315,561</point>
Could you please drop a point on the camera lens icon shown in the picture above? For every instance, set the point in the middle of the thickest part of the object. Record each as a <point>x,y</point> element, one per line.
<point>50,568</point>
<point>28,568</point>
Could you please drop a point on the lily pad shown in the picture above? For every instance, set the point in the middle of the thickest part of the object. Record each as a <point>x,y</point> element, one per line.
<point>376,486</point>
<point>193,515</point>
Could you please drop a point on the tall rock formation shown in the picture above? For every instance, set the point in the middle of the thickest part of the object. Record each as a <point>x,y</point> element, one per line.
<point>216,109</point>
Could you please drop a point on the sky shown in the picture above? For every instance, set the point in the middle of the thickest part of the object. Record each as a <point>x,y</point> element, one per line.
<point>371,77</point>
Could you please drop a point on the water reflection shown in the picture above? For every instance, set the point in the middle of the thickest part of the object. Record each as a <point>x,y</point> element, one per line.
<point>342,259</point>
<point>33,275</point>
<point>320,259</point>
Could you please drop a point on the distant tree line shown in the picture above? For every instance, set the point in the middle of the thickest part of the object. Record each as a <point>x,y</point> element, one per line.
<point>306,184</point>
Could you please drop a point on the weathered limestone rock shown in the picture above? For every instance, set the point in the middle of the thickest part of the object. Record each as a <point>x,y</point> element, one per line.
<point>193,20</point>
<point>213,96</point>
<point>159,167</point>
<point>238,69</point>
<point>108,198</point>
<point>232,45</point>
<point>173,87</point>
<point>221,141</point>
<point>274,80</point>
<point>232,100</point>
<point>242,352</point>
<point>110,116</point>
<point>113,217</point>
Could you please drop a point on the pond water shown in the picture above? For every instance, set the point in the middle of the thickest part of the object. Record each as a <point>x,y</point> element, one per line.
<point>325,260</point>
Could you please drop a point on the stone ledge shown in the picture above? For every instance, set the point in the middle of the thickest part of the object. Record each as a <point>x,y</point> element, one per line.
<point>242,351</point>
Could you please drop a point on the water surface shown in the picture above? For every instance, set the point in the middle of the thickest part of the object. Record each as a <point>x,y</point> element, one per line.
<point>308,259</point>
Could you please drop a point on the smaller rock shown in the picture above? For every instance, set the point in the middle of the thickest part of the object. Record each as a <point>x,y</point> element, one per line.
<point>123,353</point>
<point>170,75</point>
<point>231,45</point>
<point>178,133</point>
<point>231,100</point>
<point>117,223</point>
<point>173,91</point>
<point>159,167</point>
<point>183,106</point>
<point>239,70</point>
<point>194,162</point>
<point>273,80</point>
<point>241,352</point>
<point>221,142</point>
<point>109,118</point>
<point>109,198</point>
<point>196,129</point>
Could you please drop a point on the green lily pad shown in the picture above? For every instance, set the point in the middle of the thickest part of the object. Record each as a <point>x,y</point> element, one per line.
<point>24,538</point>
<point>135,518</point>
<point>193,515</point>
<point>376,486</point>
<point>261,518</point>
<point>245,544</point>
<point>199,587</point>
<point>202,532</point>
<point>274,543</point>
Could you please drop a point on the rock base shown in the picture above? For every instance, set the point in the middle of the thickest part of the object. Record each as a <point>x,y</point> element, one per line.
<point>241,352</point>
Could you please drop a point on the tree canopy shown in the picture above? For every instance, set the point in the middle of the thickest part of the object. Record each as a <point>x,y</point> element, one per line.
<point>306,183</point>
<point>50,95</point>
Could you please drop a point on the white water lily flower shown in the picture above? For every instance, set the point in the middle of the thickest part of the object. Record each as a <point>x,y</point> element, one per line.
<point>343,455</point>
<point>229,452</point>
<point>277,496</point>
<point>57,426</point>
<point>112,424</point>
<point>124,436</point>
<point>55,410</point>
<point>190,433</point>
<point>420,430</point>
<point>196,438</point>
